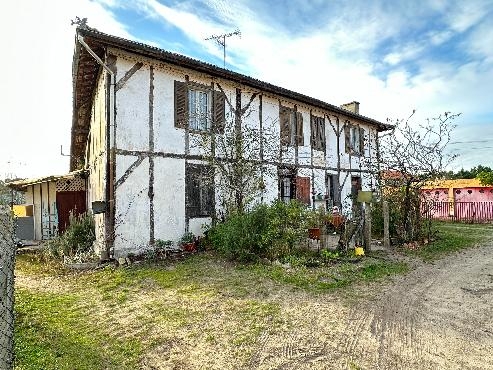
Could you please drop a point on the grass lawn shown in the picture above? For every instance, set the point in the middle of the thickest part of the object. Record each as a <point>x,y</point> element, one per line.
<point>452,237</point>
<point>199,313</point>
<point>202,312</point>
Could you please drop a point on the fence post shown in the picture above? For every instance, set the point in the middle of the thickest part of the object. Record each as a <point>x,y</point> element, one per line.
<point>368,226</point>
<point>7,260</point>
<point>386,234</point>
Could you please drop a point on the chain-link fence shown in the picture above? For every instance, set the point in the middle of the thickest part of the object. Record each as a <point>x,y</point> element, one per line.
<point>7,261</point>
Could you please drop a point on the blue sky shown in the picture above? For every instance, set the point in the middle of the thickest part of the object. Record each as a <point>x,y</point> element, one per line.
<point>391,56</point>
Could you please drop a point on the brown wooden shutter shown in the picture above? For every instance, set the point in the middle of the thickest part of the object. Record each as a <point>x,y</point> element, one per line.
<point>303,189</point>
<point>313,131</point>
<point>284,125</point>
<point>219,112</point>
<point>181,104</point>
<point>347,133</point>
<point>299,129</point>
<point>336,197</point>
<point>321,133</point>
<point>192,195</point>
<point>317,133</point>
<point>362,140</point>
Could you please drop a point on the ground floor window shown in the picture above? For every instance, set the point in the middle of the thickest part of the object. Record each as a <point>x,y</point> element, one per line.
<point>292,186</point>
<point>199,190</point>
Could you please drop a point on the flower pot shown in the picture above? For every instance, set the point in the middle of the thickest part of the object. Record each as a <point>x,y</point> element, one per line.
<point>189,247</point>
<point>314,233</point>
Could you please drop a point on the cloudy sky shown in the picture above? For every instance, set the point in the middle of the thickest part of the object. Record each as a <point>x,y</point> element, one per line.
<point>391,56</point>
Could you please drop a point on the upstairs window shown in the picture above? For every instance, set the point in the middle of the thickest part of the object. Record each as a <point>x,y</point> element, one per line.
<point>198,107</point>
<point>355,139</point>
<point>291,125</point>
<point>317,136</point>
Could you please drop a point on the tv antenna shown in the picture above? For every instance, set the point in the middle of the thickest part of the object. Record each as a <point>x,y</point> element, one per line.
<point>221,40</point>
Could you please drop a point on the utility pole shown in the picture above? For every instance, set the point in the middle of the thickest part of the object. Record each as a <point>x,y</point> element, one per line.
<point>221,40</point>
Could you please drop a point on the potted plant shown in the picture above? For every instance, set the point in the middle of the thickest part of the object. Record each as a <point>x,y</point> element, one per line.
<point>316,221</point>
<point>187,242</point>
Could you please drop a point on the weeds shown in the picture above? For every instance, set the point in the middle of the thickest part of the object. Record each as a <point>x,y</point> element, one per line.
<point>452,238</point>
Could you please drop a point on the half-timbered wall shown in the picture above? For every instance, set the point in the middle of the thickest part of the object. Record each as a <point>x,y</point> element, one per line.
<point>151,152</point>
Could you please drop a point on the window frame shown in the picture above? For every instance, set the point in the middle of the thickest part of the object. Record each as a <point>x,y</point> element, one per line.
<point>287,181</point>
<point>291,127</point>
<point>318,140</point>
<point>199,184</point>
<point>215,116</point>
<point>354,139</point>
<point>192,116</point>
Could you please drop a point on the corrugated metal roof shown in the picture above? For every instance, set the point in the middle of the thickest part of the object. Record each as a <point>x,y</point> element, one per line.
<point>21,184</point>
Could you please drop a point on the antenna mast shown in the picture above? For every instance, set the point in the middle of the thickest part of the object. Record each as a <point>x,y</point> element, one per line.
<point>221,40</point>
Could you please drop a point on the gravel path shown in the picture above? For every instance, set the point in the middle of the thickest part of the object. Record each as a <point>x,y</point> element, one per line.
<point>439,316</point>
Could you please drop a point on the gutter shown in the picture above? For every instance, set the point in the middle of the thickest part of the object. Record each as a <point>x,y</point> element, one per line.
<point>110,152</point>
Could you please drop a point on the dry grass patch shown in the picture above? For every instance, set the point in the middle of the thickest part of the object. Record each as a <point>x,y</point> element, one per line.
<point>203,312</point>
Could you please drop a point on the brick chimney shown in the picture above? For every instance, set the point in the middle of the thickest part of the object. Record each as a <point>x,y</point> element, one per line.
<point>352,107</point>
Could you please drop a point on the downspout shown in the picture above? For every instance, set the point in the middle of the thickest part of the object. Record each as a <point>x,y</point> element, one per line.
<point>110,149</point>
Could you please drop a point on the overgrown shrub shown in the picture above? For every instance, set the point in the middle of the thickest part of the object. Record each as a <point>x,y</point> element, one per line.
<point>266,231</point>
<point>76,240</point>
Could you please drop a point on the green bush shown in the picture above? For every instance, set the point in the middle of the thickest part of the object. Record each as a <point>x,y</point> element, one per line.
<point>267,231</point>
<point>77,238</point>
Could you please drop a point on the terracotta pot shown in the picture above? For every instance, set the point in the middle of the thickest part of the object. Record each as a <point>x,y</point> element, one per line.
<point>189,247</point>
<point>314,233</point>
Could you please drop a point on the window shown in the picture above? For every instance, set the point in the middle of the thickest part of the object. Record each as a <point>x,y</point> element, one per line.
<point>287,184</point>
<point>333,195</point>
<point>294,187</point>
<point>355,139</point>
<point>199,190</point>
<point>291,123</point>
<point>198,107</point>
<point>288,190</point>
<point>317,130</point>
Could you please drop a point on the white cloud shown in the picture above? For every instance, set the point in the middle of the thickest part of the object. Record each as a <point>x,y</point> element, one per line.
<point>335,62</point>
<point>462,15</point>
<point>36,97</point>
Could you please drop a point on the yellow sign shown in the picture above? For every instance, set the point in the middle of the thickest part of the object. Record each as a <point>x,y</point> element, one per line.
<point>23,210</point>
<point>365,196</point>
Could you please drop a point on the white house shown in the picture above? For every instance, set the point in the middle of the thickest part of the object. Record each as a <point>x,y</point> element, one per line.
<point>137,108</point>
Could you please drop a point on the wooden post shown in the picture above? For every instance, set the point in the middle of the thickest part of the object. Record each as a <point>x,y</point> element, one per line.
<point>386,236</point>
<point>368,226</point>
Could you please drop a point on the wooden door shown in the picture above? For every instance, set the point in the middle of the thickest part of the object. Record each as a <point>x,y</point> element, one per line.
<point>67,202</point>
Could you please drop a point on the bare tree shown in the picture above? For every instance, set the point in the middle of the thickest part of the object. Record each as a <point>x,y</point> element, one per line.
<point>409,156</point>
<point>238,156</point>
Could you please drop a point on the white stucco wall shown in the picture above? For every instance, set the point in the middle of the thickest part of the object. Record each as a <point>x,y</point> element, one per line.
<point>170,151</point>
<point>132,218</point>
<point>169,199</point>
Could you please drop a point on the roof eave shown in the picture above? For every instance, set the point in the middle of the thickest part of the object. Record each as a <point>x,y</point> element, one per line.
<point>177,59</point>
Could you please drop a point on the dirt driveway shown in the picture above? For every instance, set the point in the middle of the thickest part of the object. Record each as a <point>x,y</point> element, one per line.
<point>439,316</point>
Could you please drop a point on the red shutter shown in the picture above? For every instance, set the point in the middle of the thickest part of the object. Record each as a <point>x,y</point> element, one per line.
<point>303,190</point>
